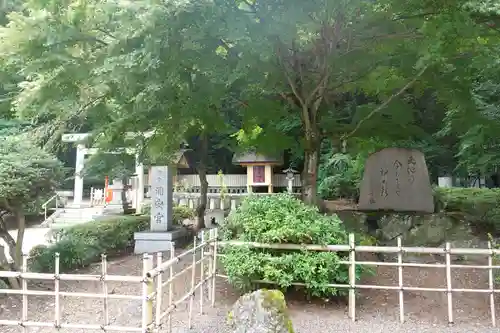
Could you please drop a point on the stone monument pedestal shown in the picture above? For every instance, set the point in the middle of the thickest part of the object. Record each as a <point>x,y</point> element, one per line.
<point>162,232</point>
<point>158,241</point>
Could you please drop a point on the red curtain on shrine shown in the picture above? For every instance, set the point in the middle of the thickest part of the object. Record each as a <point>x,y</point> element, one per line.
<point>259,174</point>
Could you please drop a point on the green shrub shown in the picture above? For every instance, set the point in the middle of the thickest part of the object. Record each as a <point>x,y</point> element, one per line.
<point>479,207</point>
<point>339,176</point>
<point>83,244</point>
<point>146,209</point>
<point>179,213</point>
<point>282,218</point>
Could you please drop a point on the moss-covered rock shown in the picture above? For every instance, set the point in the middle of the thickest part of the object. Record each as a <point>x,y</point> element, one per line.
<point>414,229</point>
<point>262,311</point>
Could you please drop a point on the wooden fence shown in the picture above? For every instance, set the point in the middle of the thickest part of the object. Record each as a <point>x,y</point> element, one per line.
<point>154,315</point>
<point>158,276</point>
<point>152,284</point>
<point>26,276</point>
<point>400,250</point>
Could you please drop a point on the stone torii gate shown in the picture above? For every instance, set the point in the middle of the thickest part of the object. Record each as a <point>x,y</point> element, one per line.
<point>81,150</point>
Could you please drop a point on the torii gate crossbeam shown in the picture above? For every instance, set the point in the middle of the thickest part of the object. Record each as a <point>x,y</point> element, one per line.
<point>82,150</point>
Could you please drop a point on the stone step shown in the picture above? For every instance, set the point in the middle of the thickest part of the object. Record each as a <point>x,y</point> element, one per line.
<point>83,214</point>
<point>58,226</point>
<point>63,221</point>
<point>83,217</point>
<point>70,216</point>
<point>78,215</point>
<point>82,211</point>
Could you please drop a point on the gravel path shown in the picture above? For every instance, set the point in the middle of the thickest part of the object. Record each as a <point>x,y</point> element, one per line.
<point>377,311</point>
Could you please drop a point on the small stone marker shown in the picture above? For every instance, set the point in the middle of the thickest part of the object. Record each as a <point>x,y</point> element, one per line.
<point>396,179</point>
<point>161,198</point>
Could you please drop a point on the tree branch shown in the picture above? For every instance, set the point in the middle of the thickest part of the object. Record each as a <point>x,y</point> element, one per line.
<point>394,35</point>
<point>80,39</point>
<point>321,84</point>
<point>251,5</point>
<point>289,79</point>
<point>384,105</point>
<point>107,33</point>
<point>420,15</point>
<point>85,106</point>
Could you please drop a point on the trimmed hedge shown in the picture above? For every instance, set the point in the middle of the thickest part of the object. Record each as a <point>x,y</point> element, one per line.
<point>179,213</point>
<point>282,218</point>
<point>83,244</point>
<point>479,207</point>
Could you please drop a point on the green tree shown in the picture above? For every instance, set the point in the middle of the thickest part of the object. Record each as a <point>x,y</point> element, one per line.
<point>172,67</point>
<point>98,74</point>
<point>29,176</point>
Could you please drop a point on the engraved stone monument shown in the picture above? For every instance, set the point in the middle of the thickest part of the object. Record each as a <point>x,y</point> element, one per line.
<point>396,179</point>
<point>162,231</point>
<point>161,199</point>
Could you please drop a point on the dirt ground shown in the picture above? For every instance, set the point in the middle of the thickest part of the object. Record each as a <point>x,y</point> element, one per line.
<point>424,311</point>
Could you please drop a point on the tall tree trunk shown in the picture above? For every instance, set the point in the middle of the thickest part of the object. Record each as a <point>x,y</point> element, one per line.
<point>202,173</point>
<point>5,265</point>
<point>21,227</point>
<point>9,240</point>
<point>11,243</point>
<point>311,164</point>
<point>125,204</point>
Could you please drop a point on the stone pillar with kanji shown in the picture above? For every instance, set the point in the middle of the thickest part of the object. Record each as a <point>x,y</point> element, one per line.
<point>162,232</point>
<point>161,198</point>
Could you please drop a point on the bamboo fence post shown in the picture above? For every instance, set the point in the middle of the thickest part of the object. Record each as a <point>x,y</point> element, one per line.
<point>214,265</point>
<point>202,270</point>
<point>352,277</point>
<point>400,280</point>
<point>24,269</point>
<point>170,285</point>
<point>151,320</point>
<point>57,300</point>
<point>210,254</point>
<point>159,291</point>
<point>192,289</point>
<point>491,285</point>
<point>147,289</point>
<point>104,272</point>
<point>448,283</point>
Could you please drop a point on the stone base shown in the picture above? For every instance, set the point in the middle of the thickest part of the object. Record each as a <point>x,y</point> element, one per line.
<point>158,241</point>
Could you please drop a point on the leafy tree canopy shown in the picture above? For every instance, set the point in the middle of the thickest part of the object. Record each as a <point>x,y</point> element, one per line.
<point>29,174</point>
<point>306,69</point>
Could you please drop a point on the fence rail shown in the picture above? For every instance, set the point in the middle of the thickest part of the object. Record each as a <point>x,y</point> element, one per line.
<point>153,311</point>
<point>158,276</point>
<point>151,281</point>
<point>400,250</point>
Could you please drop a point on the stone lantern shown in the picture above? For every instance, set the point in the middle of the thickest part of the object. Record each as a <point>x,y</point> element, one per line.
<point>290,176</point>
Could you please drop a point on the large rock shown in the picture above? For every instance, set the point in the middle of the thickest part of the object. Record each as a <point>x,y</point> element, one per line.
<point>396,179</point>
<point>262,311</point>
<point>417,230</point>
